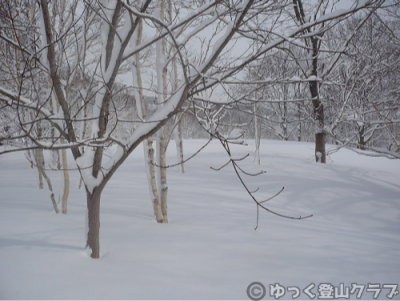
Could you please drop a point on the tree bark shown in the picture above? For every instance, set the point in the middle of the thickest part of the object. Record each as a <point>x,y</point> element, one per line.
<point>179,145</point>
<point>152,181</point>
<point>162,139</point>
<point>178,120</point>
<point>40,177</point>
<point>163,173</point>
<point>93,211</point>
<point>39,158</point>
<point>64,199</point>
<point>320,135</point>
<point>148,143</point>
<point>314,42</point>
<point>362,142</point>
<point>257,133</point>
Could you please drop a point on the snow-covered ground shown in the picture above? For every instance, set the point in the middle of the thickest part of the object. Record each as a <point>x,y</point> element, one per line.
<point>210,249</point>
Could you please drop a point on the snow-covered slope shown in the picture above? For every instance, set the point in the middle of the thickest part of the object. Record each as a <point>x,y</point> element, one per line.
<point>210,249</point>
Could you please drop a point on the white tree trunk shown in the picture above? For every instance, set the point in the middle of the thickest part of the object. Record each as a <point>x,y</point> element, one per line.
<point>65,193</point>
<point>39,158</point>
<point>163,173</point>
<point>178,119</point>
<point>151,178</point>
<point>257,134</point>
<point>148,143</point>
<point>179,143</point>
<point>162,140</point>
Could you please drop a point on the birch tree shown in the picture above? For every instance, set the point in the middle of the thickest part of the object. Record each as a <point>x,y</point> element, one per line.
<point>142,114</point>
<point>162,139</point>
<point>177,128</point>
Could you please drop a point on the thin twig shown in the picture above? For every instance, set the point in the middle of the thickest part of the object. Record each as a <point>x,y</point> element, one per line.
<point>237,168</point>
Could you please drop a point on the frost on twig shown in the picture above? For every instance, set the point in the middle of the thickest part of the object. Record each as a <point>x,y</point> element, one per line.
<point>238,170</point>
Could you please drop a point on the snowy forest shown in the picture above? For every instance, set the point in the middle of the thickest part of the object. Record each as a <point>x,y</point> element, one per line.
<point>229,149</point>
<point>91,81</point>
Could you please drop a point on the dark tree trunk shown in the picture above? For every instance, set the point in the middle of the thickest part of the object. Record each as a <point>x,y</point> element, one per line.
<point>362,142</point>
<point>93,235</point>
<point>320,136</point>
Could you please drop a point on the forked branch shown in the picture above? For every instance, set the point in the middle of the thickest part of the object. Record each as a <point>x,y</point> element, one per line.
<point>238,169</point>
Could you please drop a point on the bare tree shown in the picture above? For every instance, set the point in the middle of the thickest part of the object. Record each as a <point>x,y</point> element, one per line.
<point>20,41</point>
<point>366,75</point>
<point>142,115</point>
<point>280,104</point>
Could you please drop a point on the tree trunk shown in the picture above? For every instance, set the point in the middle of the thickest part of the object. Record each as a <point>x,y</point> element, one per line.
<point>180,147</point>
<point>320,136</point>
<point>163,173</point>
<point>178,124</point>
<point>148,143</point>
<point>152,181</point>
<point>299,126</point>
<point>179,144</point>
<point>177,135</point>
<point>53,200</point>
<point>162,139</point>
<point>83,134</point>
<point>361,143</point>
<point>320,153</point>
<point>257,133</point>
<point>55,154</point>
<point>39,158</point>
<point>64,200</point>
<point>315,43</point>
<point>40,178</point>
<point>285,118</point>
<point>93,211</point>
